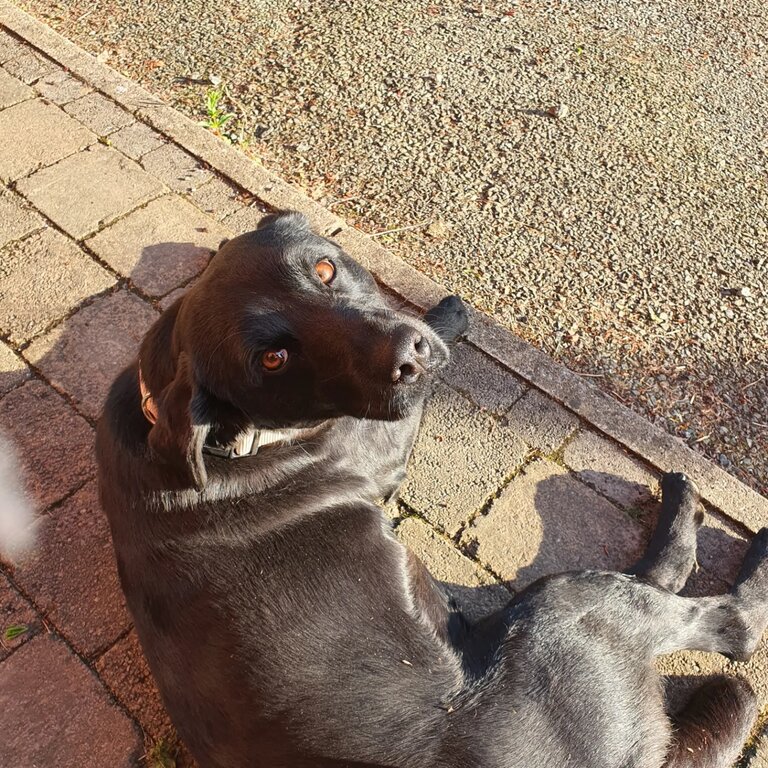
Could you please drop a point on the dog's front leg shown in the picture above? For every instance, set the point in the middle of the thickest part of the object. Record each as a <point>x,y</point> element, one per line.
<point>449,319</point>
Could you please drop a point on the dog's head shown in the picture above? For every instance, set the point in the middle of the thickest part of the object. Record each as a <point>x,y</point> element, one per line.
<point>282,330</point>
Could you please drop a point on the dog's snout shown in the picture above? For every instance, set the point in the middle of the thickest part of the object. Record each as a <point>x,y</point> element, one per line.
<point>412,353</point>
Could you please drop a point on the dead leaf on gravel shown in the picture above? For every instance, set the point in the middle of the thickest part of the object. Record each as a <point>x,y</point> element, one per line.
<point>438,229</point>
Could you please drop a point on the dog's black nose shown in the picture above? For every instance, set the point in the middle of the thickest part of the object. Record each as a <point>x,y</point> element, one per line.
<point>411,355</point>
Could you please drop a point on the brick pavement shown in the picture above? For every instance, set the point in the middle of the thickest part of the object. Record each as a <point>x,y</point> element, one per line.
<point>104,218</point>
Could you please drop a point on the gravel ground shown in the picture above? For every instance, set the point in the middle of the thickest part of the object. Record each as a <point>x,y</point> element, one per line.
<point>594,175</point>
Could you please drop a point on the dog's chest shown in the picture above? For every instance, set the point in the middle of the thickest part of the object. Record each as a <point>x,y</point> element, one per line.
<point>376,450</point>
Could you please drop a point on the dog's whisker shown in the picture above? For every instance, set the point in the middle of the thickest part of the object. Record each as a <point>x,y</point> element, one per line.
<point>223,340</point>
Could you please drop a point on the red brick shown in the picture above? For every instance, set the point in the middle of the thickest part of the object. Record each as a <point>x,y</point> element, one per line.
<point>126,673</point>
<point>160,246</point>
<point>84,354</point>
<point>83,192</point>
<point>15,611</point>
<point>72,577</point>
<point>55,714</point>
<point>55,445</point>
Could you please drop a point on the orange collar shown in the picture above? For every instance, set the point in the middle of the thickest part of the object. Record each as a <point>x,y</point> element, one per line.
<point>148,405</point>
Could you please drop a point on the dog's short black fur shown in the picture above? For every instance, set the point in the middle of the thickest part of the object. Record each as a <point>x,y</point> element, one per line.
<point>287,628</point>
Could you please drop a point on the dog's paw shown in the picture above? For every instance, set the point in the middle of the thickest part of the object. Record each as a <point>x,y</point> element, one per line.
<point>449,319</point>
<point>753,576</point>
<point>678,487</point>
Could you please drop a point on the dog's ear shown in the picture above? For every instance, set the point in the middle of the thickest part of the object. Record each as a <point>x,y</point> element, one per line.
<point>285,222</point>
<point>179,433</point>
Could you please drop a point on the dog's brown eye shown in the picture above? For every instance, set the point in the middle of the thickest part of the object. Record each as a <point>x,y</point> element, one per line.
<point>325,271</point>
<point>274,359</point>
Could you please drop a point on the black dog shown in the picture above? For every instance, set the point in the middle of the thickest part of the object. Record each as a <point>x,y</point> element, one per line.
<point>240,461</point>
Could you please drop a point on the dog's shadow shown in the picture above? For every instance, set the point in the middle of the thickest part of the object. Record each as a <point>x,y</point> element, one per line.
<point>567,526</point>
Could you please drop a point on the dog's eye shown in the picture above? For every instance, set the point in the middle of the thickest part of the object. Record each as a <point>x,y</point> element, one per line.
<point>326,271</point>
<point>274,359</point>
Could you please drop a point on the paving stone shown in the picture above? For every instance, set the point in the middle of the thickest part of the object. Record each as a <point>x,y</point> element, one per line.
<point>218,198</point>
<point>609,470</point>
<point>126,673</point>
<point>684,671</point>
<point>99,113</point>
<point>71,575</point>
<point>660,449</point>
<point>12,90</point>
<point>45,135</point>
<point>42,278</point>
<point>546,522</point>
<point>541,422</point>
<point>114,325</point>
<point>16,217</point>
<point>721,547</point>
<point>177,168</point>
<point>11,48</point>
<point>160,246</point>
<point>246,219</point>
<point>13,371</point>
<point>54,712</point>
<point>54,444</point>
<point>136,139</point>
<point>60,87</point>
<point>15,614</point>
<point>684,665</point>
<point>30,67</point>
<point>483,380</point>
<point>170,299</point>
<point>475,592</point>
<point>461,458</point>
<point>90,189</point>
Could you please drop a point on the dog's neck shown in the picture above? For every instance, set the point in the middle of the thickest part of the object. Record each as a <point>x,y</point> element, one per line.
<point>246,443</point>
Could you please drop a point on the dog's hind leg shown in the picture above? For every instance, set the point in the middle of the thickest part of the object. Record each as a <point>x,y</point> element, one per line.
<point>671,553</point>
<point>711,730</point>
<point>448,319</point>
<point>731,624</point>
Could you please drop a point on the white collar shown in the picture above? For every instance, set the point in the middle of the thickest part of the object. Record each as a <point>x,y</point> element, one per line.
<point>249,443</point>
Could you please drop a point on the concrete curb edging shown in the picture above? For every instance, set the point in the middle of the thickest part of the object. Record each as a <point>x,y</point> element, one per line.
<point>651,444</point>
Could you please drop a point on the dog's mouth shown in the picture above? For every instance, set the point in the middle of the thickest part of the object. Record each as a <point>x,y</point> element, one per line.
<point>390,405</point>
<point>388,400</point>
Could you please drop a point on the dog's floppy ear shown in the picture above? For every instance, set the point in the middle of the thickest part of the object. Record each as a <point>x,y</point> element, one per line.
<point>179,433</point>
